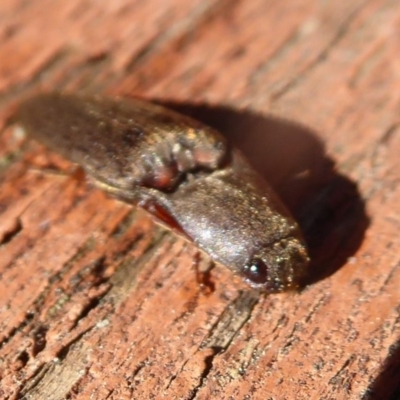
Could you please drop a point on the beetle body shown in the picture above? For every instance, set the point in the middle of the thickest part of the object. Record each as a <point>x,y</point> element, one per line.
<point>181,171</point>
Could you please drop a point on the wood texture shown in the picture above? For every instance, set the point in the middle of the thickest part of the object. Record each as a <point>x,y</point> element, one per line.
<point>98,302</point>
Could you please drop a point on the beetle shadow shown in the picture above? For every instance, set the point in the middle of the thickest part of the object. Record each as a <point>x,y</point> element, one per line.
<point>386,385</point>
<point>326,204</point>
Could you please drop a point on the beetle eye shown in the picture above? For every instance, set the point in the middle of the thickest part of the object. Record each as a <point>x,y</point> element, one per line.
<point>256,271</point>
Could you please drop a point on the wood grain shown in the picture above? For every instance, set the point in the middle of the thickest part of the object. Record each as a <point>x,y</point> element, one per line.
<point>99,302</point>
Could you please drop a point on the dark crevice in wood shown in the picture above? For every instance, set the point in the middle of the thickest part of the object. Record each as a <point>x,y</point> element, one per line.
<point>208,361</point>
<point>96,269</point>
<point>33,381</point>
<point>222,333</point>
<point>23,357</point>
<point>129,269</point>
<point>130,246</point>
<point>12,232</point>
<point>342,380</point>
<point>63,353</point>
<point>39,340</point>
<point>92,304</point>
<point>24,323</point>
<point>123,226</point>
<point>138,368</point>
<point>204,277</point>
<point>37,304</point>
<point>231,320</point>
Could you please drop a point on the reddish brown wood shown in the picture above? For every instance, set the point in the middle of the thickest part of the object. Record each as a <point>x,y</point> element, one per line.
<point>98,302</point>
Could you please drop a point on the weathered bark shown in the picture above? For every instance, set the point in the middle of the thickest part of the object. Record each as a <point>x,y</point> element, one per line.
<point>99,302</point>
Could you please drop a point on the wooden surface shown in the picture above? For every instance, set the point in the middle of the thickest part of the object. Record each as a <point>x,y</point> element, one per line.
<point>99,302</point>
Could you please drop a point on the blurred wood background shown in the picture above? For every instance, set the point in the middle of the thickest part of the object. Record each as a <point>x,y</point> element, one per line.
<point>98,302</point>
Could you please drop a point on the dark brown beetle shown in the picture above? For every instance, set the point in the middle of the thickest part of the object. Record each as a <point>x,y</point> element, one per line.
<point>181,171</point>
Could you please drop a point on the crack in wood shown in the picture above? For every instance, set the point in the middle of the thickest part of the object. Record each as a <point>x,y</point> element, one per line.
<point>44,384</point>
<point>208,361</point>
<point>231,320</point>
<point>39,339</point>
<point>34,380</point>
<point>221,334</point>
<point>12,232</point>
<point>345,380</point>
